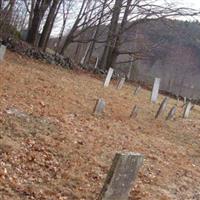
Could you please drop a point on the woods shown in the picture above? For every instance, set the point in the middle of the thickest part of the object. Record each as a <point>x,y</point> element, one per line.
<point>88,23</point>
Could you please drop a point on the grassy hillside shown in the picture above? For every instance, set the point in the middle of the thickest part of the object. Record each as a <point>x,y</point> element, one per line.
<point>52,147</point>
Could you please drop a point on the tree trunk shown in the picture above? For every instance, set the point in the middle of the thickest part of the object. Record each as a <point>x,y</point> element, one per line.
<point>48,25</point>
<point>40,8</point>
<point>91,45</point>
<point>10,11</point>
<point>105,62</point>
<point>114,54</point>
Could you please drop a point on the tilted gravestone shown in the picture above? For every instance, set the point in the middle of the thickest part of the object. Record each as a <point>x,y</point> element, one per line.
<point>108,77</point>
<point>121,176</point>
<point>99,107</point>
<point>155,90</point>
<point>138,88</point>
<point>134,112</point>
<point>162,107</point>
<point>2,52</point>
<point>171,113</point>
<point>187,110</point>
<point>121,83</point>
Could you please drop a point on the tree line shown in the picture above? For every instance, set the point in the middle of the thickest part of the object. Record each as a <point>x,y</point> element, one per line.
<point>74,19</point>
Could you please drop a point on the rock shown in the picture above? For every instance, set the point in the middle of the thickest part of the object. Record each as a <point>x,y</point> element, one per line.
<point>25,49</point>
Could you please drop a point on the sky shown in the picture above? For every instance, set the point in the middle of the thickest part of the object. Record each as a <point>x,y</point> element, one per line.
<point>192,3</point>
<point>181,3</point>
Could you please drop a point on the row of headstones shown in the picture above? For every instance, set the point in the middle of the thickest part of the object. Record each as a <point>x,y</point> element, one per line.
<point>100,105</point>
<point>125,166</point>
<point>108,79</point>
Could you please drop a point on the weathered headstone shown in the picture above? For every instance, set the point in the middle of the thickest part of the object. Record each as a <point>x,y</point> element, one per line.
<point>155,90</point>
<point>187,110</point>
<point>96,64</point>
<point>121,176</point>
<point>108,77</point>
<point>99,107</point>
<point>134,112</point>
<point>2,52</point>
<point>171,113</point>
<point>121,83</point>
<point>162,107</point>
<point>138,88</point>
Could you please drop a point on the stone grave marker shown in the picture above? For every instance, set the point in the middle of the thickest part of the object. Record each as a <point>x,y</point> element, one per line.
<point>99,107</point>
<point>155,90</point>
<point>121,176</point>
<point>108,77</point>
<point>96,64</point>
<point>138,88</point>
<point>171,113</point>
<point>2,52</point>
<point>134,112</point>
<point>121,83</point>
<point>177,100</point>
<point>187,110</point>
<point>162,107</point>
<point>184,100</point>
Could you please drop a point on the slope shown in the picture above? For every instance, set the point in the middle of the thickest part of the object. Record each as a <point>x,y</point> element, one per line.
<point>52,147</point>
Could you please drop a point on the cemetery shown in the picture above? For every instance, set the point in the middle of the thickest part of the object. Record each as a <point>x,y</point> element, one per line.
<point>90,137</point>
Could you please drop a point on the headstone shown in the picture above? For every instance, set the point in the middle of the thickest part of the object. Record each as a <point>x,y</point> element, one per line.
<point>162,107</point>
<point>138,88</point>
<point>121,83</point>
<point>108,77</point>
<point>2,52</point>
<point>184,100</point>
<point>99,107</point>
<point>96,64</point>
<point>155,90</point>
<point>134,112</point>
<point>171,113</point>
<point>177,100</point>
<point>121,176</point>
<point>187,110</point>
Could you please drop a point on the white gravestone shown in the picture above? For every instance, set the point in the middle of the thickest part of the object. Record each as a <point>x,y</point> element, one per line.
<point>99,107</point>
<point>2,52</point>
<point>187,110</point>
<point>96,64</point>
<point>155,90</point>
<point>121,83</point>
<point>108,77</point>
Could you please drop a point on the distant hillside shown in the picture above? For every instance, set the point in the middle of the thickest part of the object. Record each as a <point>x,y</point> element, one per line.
<point>171,50</point>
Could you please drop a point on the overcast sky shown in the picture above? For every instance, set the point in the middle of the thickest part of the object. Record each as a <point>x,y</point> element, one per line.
<point>181,3</point>
<point>191,3</point>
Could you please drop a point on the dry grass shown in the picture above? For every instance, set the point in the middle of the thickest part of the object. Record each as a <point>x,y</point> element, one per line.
<point>59,150</point>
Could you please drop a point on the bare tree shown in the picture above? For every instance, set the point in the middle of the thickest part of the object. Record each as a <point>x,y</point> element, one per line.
<point>49,24</point>
<point>38,14</point>
<point>129,13</point>
<point>66,7</point>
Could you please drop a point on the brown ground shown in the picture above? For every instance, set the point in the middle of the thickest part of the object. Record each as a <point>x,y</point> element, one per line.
<point>52,147</point>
